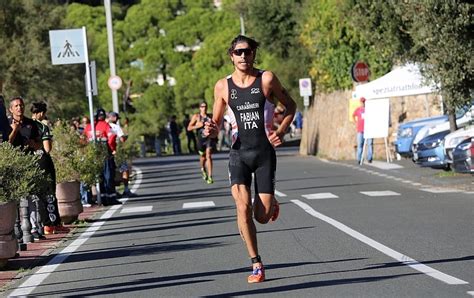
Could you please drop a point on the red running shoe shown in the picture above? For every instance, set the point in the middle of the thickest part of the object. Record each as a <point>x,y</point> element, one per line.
<point>276,211</point>
<point>258,275</point>
<point>48,230</point>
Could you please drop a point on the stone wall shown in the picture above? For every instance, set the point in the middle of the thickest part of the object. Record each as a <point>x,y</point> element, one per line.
<point>329,133</point>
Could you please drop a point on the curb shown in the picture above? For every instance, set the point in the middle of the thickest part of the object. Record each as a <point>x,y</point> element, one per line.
<point>39,252</point>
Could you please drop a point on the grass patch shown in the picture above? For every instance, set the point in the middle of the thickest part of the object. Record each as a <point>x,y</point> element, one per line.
<point>23,270</point>
<point>81,223</point>
<point>446,174</point>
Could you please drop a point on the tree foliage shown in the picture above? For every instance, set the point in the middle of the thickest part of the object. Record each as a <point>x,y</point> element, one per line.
<point>173,51</point>
<point>275,24</point>
<point>25,60</point>
<point>435,34</point>
<point>334,44</point>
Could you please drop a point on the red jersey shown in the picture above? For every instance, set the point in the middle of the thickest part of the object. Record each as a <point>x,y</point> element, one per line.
<point>359,114</point>
<point>103,133</point>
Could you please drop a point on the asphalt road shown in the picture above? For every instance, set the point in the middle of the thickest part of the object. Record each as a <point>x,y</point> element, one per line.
<point>343,231</point>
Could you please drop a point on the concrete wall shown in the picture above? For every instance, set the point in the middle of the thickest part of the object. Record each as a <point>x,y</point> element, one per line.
<point>328,132</point>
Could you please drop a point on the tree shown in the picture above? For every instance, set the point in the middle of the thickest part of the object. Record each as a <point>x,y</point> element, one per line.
<point>327,31</point>
<point>435,34</point>
<point>275,25</point>
<point>26,60</point>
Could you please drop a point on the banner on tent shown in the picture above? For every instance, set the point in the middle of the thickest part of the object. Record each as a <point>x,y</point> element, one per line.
<point>402,81</point>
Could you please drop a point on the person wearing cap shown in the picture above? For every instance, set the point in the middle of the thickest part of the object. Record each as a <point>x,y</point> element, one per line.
<point>104,133</point>
<point>358,116</point>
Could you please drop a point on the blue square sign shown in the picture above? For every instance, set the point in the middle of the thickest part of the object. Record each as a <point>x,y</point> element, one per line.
<point>67,46</point>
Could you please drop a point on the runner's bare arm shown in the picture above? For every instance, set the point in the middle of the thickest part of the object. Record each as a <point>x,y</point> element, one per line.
<point>220,103</point>
<point>275,90</point>
<point>192,123</point>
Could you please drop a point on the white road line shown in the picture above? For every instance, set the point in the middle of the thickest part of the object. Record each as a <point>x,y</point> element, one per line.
<point>440,190</point>
<point>451,280</point>
<point>279,194</point>
<point>39,276</point>
<point>470,293</point>
<point>382,193</point>
<point>205,204</point>
<point>320,196</point>
<point>136,209</point>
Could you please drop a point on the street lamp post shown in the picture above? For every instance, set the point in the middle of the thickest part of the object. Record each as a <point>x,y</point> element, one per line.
<point>110,39</point>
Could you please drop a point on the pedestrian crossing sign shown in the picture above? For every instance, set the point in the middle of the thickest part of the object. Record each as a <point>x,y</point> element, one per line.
<point>67,46</point>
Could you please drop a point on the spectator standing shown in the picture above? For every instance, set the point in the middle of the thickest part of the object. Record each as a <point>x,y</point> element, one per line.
<point>105,135</point>
<point>298,123</point>
<point>124,167</point>
<point>52,219</point>
<point>174,131</point>
<point>359,116</point>
<point>84,121</point>
<point>191,137</point>
<point>223,137</point>
<point>161,140</point>
<point>87,199</point>
<point>24,133</point>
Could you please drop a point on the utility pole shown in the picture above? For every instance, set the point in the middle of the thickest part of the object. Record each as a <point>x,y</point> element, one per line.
<point>242,27</point>
<point>110,39</point>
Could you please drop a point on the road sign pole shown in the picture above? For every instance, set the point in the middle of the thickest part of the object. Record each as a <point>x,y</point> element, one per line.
<point>305,103</point>
<point>88,82</point>
<point>89,95</point>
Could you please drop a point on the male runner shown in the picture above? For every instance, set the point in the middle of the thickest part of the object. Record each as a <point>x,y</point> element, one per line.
<point>205,144</point>
<point>251,95</point>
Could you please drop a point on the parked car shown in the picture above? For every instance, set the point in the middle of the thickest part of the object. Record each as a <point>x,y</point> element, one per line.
<point>463,157</point>
<point>463,117</point>
<point>455,138</point>
<point>429,152</point>
<point>408,130</point>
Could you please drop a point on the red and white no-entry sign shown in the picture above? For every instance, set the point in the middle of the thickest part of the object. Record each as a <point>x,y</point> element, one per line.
<point>360,72</point>
<point>114,82</point>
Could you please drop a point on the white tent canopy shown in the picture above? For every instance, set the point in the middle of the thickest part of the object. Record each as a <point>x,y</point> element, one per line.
<point>402,81</point>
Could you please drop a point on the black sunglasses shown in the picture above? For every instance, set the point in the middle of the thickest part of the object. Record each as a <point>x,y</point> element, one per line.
<point>246,51</point>
<point>203,106</point>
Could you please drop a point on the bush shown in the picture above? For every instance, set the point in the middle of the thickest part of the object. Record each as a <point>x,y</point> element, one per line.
<point>91,162</point>
<point>126,151</point>
<point>20,175</point>
<point>74,158</point>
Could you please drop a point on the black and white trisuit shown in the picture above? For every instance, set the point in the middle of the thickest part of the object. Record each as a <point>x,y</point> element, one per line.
<point>251,117</point>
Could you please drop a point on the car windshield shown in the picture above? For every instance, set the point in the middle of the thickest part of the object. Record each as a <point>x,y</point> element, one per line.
<point>461,111</point>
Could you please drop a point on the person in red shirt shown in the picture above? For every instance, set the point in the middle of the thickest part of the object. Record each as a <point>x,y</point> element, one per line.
<point>104,134</point>
<point>358,116</point>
